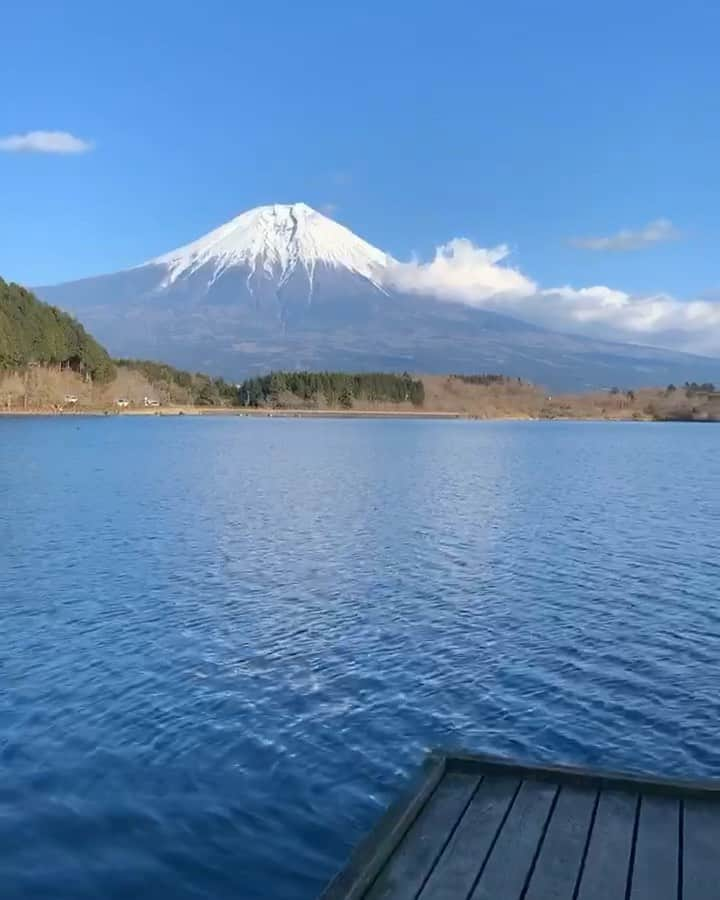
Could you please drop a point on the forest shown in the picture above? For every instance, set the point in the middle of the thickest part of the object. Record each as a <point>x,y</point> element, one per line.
<point>33,333</point>
<point>330,389</point>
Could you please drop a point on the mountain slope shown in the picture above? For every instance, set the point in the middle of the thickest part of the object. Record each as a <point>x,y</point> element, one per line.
<point>285,287</point>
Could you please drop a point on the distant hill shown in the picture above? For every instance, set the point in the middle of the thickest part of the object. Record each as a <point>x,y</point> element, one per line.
<point>285,287</point>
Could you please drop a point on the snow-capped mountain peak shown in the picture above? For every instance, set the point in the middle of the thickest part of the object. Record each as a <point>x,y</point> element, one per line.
<point>276,240</point>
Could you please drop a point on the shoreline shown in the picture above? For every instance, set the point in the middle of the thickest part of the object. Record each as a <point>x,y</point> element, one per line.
<point>266,413</point>
<point>242,412</point>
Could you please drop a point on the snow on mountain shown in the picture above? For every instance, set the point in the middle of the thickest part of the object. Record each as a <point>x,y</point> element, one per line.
<point>276,240</point>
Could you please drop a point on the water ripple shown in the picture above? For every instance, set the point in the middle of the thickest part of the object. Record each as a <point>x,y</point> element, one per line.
<point>226,644</point>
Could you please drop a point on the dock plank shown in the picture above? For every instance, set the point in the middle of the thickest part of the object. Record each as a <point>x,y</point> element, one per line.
<point>655,869</point>
<point>407,869</point>
<point>463,858</point>
<point>607,864</point>
<point>558,866</point>
<point>701,850</point>
<point>512,856</point>
<point>483,828</point>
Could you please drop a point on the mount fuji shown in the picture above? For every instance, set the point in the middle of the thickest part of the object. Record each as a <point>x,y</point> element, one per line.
<point>284,286</point>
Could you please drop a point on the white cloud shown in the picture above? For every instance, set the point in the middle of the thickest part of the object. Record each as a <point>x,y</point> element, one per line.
<point>479,277</point>
<point>656,232</point>
<point>329,209</point>
<point>462,272</point>
<point>656,319</point>
<point>44,142</point>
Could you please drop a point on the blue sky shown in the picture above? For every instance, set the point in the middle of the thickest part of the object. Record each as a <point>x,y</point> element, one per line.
<point>522,123</point>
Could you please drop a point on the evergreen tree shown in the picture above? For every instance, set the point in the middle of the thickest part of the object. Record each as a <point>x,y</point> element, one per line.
<point>33,332</point>
<point>331,389</point>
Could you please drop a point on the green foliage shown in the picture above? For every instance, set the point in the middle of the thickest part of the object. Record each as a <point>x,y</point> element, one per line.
<point>331,389</point>
<point>32,332</point>
<point>201,389</point>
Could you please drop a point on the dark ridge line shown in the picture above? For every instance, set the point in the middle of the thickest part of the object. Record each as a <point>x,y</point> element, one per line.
<point>586,848</point>
<point>293,218</point>
<point>633,849</point>
<point>449,837</point>
<point>541,841</point>
<point>495,839</point>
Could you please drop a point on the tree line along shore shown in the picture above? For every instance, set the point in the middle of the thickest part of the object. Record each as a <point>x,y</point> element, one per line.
<point>50,364</point>
<point>141,387</point>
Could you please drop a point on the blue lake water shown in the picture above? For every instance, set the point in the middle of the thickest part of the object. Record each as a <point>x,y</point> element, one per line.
<point>226,643</point>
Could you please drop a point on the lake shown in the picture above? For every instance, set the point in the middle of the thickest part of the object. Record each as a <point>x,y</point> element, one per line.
<point>227,643</point>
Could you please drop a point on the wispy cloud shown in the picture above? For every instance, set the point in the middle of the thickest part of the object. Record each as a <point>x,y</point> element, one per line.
<point>329,209</point>
<point>44,142</point>
<point>461,272</point>
<point>656,232</point>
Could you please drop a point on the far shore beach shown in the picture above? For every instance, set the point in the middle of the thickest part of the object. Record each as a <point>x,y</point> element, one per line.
<point>246,412</point>
<point>267,413</point>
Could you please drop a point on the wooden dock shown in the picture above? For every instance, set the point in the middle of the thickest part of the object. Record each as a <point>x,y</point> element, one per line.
<point>482,828</point>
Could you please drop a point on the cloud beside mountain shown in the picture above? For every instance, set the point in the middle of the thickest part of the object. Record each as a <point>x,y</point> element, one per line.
<point>462,272</point>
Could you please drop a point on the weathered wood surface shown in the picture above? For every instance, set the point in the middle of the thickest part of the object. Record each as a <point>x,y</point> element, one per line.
<point>480,828</point>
